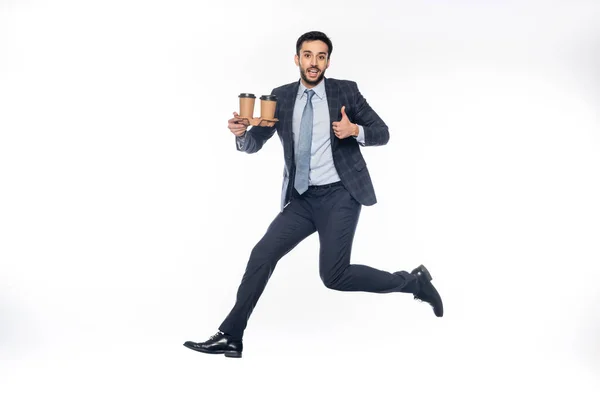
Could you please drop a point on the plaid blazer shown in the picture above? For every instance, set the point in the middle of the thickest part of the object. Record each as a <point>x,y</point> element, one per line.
<point>347,158</point>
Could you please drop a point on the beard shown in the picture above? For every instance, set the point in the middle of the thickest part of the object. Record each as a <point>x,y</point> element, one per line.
<point>315,81</point>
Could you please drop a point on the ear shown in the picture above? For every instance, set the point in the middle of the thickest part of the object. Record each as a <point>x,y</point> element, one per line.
<point>296,60</point>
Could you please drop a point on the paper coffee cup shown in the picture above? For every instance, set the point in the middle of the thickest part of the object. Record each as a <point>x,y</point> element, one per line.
<point>247,105</point>
<point>268,102</point>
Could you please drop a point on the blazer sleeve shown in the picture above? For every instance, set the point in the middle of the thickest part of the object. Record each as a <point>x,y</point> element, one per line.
<point>376,132</point>
<point>254,138</point>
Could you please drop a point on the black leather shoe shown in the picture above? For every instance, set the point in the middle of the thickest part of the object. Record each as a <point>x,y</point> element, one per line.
<point>219,343</point>
<point>427,291</point>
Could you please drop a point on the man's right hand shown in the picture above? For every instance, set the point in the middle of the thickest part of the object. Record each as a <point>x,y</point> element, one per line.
<point>237,125</point>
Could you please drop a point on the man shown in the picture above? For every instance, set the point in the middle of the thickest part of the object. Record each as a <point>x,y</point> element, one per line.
<point>322,123</point>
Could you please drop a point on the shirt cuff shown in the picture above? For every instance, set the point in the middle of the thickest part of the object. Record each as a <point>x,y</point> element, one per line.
<point>361,135</point>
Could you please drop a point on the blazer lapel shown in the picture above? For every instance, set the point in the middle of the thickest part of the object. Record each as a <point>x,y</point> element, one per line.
<point>289,101</point>
<point>333,101</point>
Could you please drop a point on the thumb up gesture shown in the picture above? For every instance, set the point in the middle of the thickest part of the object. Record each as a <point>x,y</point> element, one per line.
<point>344,128</point>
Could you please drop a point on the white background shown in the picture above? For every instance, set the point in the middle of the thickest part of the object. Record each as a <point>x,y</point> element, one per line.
<point>127,216</point>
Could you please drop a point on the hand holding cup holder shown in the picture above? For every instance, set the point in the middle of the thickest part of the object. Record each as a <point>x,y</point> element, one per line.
<point>268,102</point>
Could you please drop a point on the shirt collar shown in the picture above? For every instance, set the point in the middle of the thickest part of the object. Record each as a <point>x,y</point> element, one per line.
<point>319,89</point>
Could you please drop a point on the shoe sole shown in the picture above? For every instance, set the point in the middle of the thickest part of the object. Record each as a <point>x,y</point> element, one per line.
<point>227,353</point>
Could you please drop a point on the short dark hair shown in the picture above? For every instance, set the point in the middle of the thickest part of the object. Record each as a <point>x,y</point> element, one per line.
<point>314,35</point>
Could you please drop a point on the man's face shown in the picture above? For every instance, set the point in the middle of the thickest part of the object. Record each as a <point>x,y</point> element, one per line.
<point>312,61</point>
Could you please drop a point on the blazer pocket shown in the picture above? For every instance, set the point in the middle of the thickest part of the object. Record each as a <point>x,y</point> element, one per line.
<point>360,164</point>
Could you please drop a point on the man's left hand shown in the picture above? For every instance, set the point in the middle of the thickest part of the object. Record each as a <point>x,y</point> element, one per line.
<point>344,128</point>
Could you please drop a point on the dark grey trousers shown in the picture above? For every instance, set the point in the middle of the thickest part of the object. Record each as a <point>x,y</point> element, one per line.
<point>333,212</point>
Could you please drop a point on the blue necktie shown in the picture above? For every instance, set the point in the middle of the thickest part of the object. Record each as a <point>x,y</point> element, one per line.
<point>304,144</point>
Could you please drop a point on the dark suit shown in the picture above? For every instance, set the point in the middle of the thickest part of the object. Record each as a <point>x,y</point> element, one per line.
<point>331,210</point>
<point>348,160</point>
